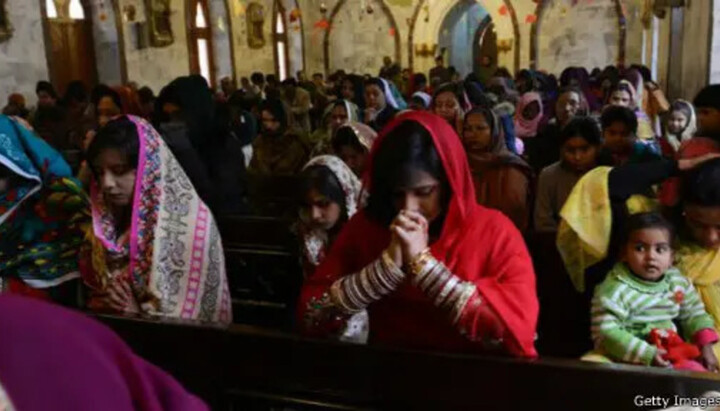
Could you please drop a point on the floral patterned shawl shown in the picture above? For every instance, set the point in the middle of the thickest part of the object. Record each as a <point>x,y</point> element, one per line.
<point>176,265</point>
<point>42,214</point>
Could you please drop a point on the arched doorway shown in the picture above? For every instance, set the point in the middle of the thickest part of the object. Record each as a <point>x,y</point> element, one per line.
<point>485,49</point>
<point>428,16</point>
<point>200,40</point>
<point>458,35</point>
<point>69,43</point>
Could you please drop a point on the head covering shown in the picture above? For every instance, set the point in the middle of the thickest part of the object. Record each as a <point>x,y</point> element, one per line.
<point>277,108</point>
<point>42,215</point>
<point>386,90</point>
<point>709,96</point>
<point>364,133</point>
<point>88,367</point>
<point>315,242</point>
<point>498,152</point>
<point>176,262</point>
<point>424,97</point>
<point>130,102</point>
<point>690,127</point>
<point>525,127</point>
<point>624,85</point>
<point>501,270</point>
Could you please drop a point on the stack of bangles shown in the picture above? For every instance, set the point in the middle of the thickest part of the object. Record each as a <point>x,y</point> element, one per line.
<point>445,289</point>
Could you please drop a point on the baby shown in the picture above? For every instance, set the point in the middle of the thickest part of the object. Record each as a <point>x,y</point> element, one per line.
<point>642,296</point>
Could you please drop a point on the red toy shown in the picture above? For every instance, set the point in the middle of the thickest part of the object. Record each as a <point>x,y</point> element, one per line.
<point>682,355</point>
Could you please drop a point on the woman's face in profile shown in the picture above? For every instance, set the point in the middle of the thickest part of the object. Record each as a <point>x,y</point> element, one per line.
<point>703,223</point>
<point>421,193</point>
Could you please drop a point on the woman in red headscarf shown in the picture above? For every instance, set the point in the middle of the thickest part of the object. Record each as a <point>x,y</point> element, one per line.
<point>433,268</point>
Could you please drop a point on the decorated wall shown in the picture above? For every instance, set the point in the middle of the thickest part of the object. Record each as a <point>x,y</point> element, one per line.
<point>108,54</point>
<point>360,38</point>
<point>22,57</point>
<point>583,35</point>
<point>156,66</point>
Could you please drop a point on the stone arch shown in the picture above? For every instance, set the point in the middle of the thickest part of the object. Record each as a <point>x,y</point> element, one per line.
<point>385,10</point>
<point>492,11</point>
<point>535,33</point>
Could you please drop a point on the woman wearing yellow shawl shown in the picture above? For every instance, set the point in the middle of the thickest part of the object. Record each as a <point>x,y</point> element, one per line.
<point>596,209</point>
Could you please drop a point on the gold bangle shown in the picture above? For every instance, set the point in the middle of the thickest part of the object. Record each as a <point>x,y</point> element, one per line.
<point>419,262</point>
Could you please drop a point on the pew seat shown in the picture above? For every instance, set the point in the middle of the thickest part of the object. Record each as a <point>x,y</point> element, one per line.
<point>250,368</point>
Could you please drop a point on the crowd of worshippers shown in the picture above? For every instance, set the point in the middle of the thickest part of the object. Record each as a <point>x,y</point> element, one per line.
<point>414,197</point>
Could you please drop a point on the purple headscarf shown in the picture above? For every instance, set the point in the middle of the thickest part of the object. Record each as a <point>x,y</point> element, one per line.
<point>52,358</point>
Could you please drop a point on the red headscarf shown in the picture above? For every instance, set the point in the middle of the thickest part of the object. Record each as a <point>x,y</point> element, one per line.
<point>478,245</point>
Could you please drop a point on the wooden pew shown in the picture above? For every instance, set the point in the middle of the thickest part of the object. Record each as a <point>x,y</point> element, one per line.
<point>275,196</point>
<point>263,269</point>
<point>251,368</point>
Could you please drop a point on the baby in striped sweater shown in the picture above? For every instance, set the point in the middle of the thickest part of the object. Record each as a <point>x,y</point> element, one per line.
<point>645,292</point>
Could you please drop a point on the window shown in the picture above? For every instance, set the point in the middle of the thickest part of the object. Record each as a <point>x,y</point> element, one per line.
<point>76,10</point>
<point>50,9</point>
<point>280,38</point>
<point>201,57</point>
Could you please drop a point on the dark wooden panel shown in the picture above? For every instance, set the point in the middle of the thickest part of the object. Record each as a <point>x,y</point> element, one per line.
<point>246,367</point>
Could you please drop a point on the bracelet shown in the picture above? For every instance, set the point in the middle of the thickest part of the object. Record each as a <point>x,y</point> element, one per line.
<point>419,262</point>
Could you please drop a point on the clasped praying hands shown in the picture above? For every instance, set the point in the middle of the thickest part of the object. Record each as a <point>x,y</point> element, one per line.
<point>409,237</point>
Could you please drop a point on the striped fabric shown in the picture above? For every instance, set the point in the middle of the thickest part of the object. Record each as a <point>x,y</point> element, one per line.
<point>626,308</point>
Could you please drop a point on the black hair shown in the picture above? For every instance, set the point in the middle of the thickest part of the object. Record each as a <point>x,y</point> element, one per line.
<point>257,78</point>
<point>617,114</point>
<point>583,101</point>
<point>419,79</point>
<point>317,75</point>
<point>322,179</point>
<point>101,91</point>
<point>345,136</point>
<point>584,127</point>
<point>644,72</point>
<point>645,221</point>
<point>701,186</point>
<point>375,81</point>
<point>289,82</point>
<point>277,109</point>
<point>358,85</point>
<point>75,92</point>
<point>406,148</point>
<point>271,79</point>
<point>453,88</point>
<point>119,134</point>
<point>709,97</point>
<point>146,95</point>
<point>47,87</point>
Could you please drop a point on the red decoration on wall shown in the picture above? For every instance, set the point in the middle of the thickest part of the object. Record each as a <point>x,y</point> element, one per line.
<point>294,15</point>
<point>503,10</point>
<point>322,24</point>
<point>392,31</point>
<point>530,19</point>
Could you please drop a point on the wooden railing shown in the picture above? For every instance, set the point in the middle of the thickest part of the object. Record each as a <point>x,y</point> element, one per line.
<point>251,368</point>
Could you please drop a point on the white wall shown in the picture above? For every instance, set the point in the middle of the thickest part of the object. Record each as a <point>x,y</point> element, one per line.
<point>22,57</point>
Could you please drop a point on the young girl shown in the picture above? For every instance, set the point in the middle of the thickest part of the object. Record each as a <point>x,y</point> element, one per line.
<point>330,193</point>
<point>642,296</point>
<point>352,143</point>
<point>154,246</point>
<point>680,126</point>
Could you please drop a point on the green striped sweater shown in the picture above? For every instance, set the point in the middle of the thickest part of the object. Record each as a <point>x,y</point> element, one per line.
<point>626,308</point>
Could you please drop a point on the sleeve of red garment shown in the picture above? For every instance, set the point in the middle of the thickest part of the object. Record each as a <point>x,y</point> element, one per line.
<point>506,304</point>
<point>315,289</point>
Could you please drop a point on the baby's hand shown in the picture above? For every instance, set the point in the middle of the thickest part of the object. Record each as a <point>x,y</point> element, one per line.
<point>709,359</point>
<point>659,361</point>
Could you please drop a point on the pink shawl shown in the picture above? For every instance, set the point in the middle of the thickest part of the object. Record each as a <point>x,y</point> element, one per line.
<point>176,261</point>
<point>525,127</point>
